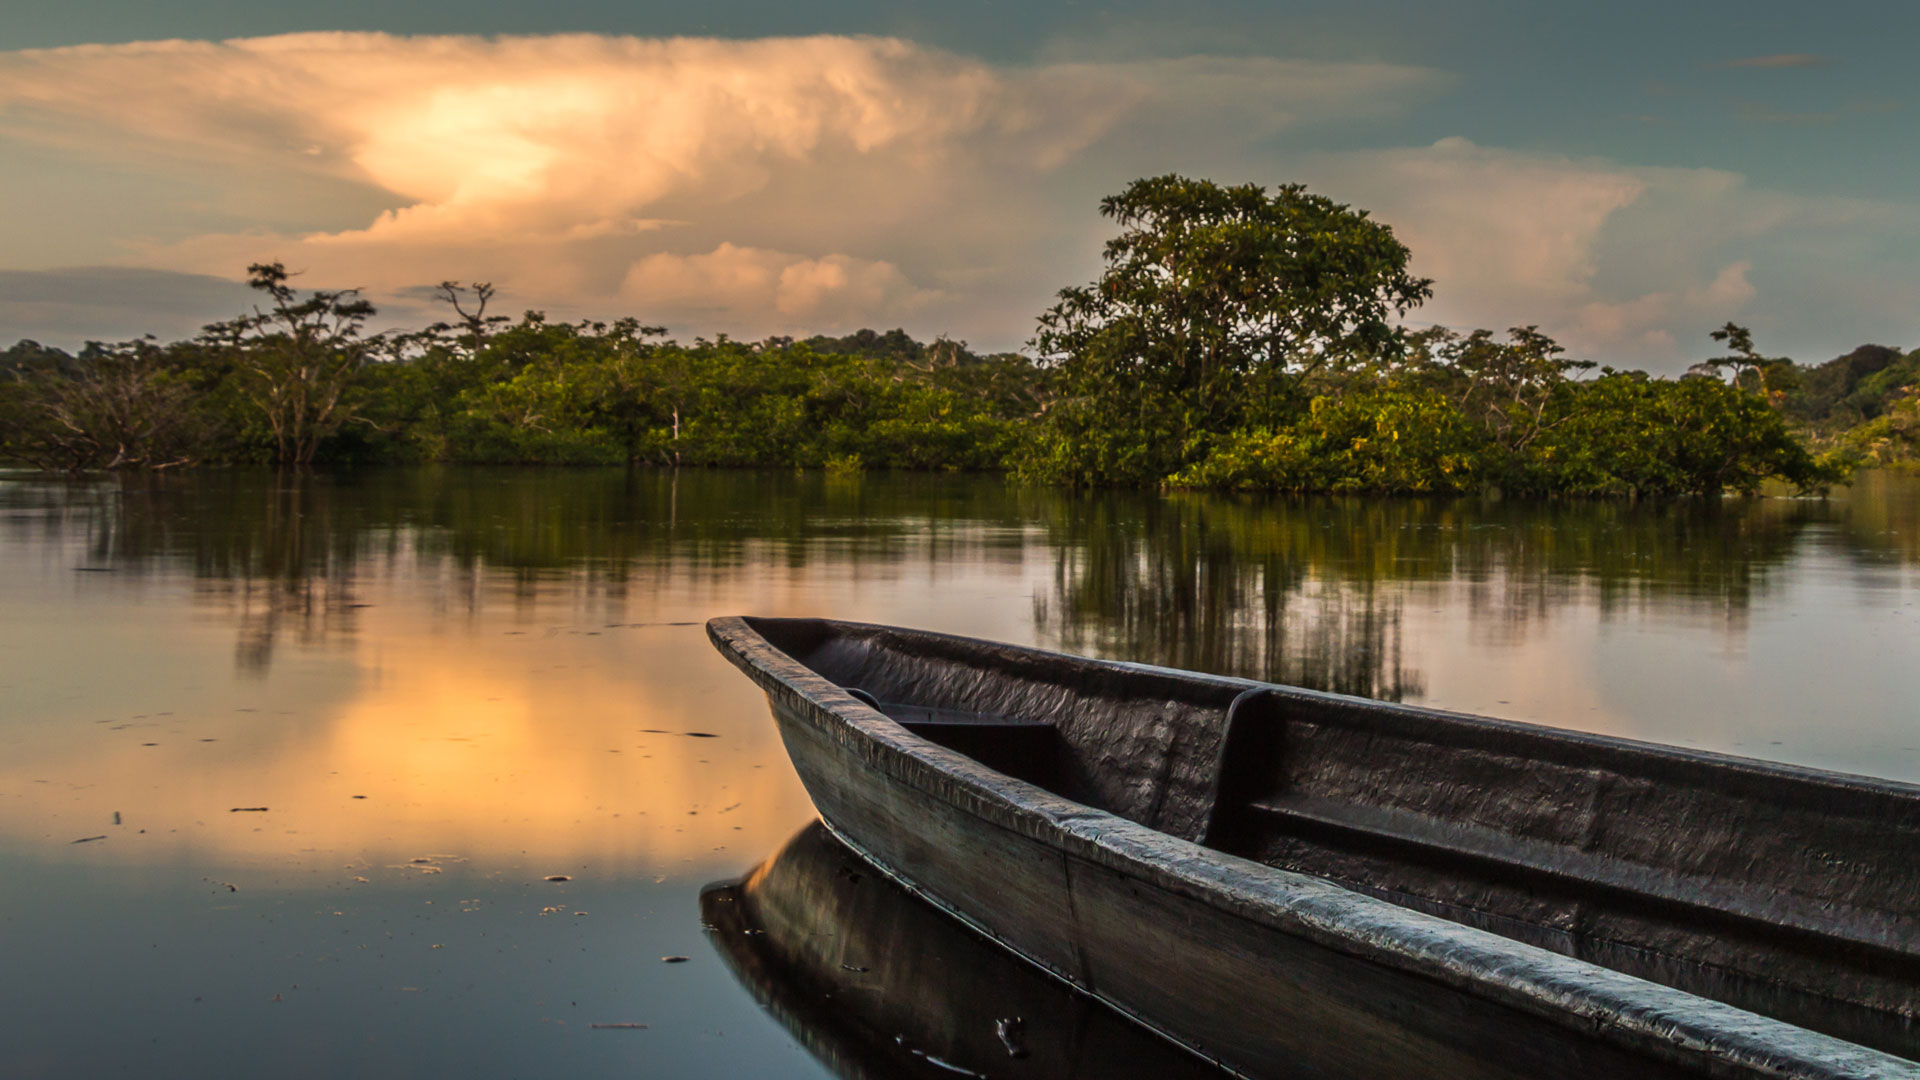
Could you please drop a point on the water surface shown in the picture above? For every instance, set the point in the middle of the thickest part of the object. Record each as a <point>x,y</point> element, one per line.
<point>445,687</point>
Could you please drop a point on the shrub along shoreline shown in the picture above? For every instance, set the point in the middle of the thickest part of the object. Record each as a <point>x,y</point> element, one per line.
<point>1239,339</point>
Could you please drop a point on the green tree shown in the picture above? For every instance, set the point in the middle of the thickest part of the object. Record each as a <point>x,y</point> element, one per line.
<point>1627,433</point>
<point>295,360</point>
<point>622,381</point>
<point>118,406</point>
<point>1772,377</point>
<point>1385,439</point>
<point>1215,305</point>
<point>1509,387</point>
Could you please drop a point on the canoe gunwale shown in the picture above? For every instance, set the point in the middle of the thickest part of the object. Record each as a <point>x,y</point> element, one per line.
<point>1661,1021</point>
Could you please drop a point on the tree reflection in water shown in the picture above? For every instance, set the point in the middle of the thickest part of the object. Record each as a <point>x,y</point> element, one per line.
<point>1310,591</point>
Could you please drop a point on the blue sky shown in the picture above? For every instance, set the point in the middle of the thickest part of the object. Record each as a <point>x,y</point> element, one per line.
<point>1626,175</point>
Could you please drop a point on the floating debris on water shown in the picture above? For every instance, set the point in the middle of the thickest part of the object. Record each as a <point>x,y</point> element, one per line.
<point>700,735</point>
<point>248,810</point>
<point>359,796</point>
<point>116,817</point>
<point>621,1027</point>
<point>559,877</point>
<point>89,839</point>
<point>852,967</point>
<point>425,863</point>
<point>674,959</point>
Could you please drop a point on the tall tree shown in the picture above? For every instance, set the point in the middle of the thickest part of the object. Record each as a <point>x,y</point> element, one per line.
<point>474,327</point>
<point>1771,377</point>
<point>296,359</point>
<point>1507,387</point>
<point>1215,301</point>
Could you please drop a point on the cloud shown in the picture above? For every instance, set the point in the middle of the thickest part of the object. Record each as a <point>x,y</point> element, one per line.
<point>795,185</point>
<point>66,308</point>
<point>1778,60</point>
<point>830,290</point>
<point>574,169</point>
<point>1631,264</point>
<point>1763,113</point>
<point>513,136</point>
<point>1497,229</point>
<point>1643,324</point>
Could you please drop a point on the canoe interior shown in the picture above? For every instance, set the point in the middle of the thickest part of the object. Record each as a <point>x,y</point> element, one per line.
<point>1785,891</point>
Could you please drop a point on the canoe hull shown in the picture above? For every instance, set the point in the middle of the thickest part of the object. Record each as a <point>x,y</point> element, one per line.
<point>1266,972</point>
<point>1237,993</point>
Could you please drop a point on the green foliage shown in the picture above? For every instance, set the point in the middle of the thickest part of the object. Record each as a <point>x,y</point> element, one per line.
<point>1239,338</point>
<point>595,393</point>
<point>1623,433</point>
<point>1215,304</point>
<point>1387,438</point>
<point>296,360</point>
<point>114,407</point>
<point>1891,438</point>
<point>1626,433</point>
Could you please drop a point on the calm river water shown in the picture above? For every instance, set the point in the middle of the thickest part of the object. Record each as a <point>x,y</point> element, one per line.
<point>287,764</point>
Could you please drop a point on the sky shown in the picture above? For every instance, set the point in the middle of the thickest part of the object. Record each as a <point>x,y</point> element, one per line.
<point>1627,176</point>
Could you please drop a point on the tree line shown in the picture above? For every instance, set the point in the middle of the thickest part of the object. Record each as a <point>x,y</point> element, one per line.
<point>1237,338</point>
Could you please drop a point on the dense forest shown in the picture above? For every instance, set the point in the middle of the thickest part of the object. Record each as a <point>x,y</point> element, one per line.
<point>1238,338</point>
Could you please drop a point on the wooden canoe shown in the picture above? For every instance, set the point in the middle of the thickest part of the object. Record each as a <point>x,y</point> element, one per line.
<point>1233,863</point>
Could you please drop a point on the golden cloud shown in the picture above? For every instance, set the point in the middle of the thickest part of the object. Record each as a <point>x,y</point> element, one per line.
<point>826,177</point>
<point>742,278</point>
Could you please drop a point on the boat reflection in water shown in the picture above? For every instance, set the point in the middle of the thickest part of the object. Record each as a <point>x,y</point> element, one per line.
<point>878,983</point>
